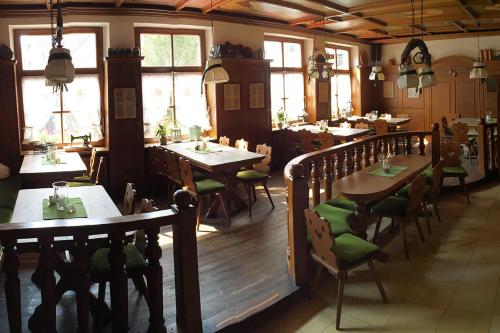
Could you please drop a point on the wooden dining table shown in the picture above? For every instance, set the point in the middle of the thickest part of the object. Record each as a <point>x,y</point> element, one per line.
<point>393,121</point>
<point>36,171</point>
<point>223,163</point>
<point>365,188</point>
<point>338,133</point>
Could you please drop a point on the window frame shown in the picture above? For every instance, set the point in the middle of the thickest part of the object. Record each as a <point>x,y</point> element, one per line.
<point>98,70</point>
<point>340,72</point>
<point>286,70</point>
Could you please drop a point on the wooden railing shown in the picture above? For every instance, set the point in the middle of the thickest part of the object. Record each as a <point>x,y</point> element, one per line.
<point>318,171</point>
<point>183,220</point>
<point>488,149</point>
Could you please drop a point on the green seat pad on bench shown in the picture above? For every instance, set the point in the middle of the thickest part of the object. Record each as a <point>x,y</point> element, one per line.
<point>251,175</point>
<point>209,185</point>
<point>454,171</point>
<point>405,191</point>
<point>5,215</point>
<point>338,218</point>
<point>342,202</point>
<point>8,191</point>
<point>351,250</point>
<point>101,269</point>
<point>391,206</point>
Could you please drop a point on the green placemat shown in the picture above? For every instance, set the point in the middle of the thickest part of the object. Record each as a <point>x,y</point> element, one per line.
<point>393,171</point>
<point>45,161</point>
<point>51,213</point>
<point>206,151</point>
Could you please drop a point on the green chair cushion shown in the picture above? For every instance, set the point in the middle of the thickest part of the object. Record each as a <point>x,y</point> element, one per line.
<point>101,269</point>
<point>351,250</point>
<point>8,191</point>
<point>454,171</point>
<point>84,178</point>
<point>391,206</point>
<point>198,175</point>
<point>342,202</point>
<point>428,173</point>
<point>208,185</point>
<point>338,218</point>
<point>78,184</point>
<point>251,175</point>
<point>405,191</point>
<point>5,215</point>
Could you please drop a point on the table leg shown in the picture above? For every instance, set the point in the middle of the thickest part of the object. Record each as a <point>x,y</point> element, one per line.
<point>362,215</point>
<point>231,195</point>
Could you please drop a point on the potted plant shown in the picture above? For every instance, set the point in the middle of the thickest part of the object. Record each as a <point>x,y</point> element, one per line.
<point>161,132</point>
<point>281,116</point>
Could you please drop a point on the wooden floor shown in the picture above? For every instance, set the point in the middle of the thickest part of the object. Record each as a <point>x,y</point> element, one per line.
<point>243,268</point>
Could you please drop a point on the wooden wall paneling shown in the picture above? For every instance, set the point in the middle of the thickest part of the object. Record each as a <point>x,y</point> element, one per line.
<point>467,98</point>
<point>489,102</point>
<point>9,125</point>
<point>322,108</point>
<point>125,137</point>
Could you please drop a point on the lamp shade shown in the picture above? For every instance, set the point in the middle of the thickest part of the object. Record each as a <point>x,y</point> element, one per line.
<point>478,71</point>
<point>59,69</point>
<point>407,78</point>
<point>215,72</point>
<point>426,77</point>
<point>377,74</point>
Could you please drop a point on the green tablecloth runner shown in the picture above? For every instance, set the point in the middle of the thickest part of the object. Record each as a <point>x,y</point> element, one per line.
<point>45,161</point>
<point>51,213</point>
<point>207,151</point>
<point>393,171</point>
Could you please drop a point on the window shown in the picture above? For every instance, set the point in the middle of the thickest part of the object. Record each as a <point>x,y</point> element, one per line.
<point>171,80</point>
<point>50,117</point>
<point>341,81</point>
<point>287,76</point>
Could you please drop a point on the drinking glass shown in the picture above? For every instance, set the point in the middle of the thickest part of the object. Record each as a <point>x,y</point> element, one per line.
<point>61,194</point>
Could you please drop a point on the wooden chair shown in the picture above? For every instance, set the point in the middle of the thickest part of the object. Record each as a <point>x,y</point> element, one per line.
<point>202,190</point>
<point>291,139</point>
<point>325,140</point>
<point>147,206</point>
<point>173,174</point>
<point>402,211</point>
<point>460,135</point>
<point>88,177</point>
<point>451,152</point>
<point>259,174</point>
<point>129,200</point>
<point>339,255</point>
<point>446,132</point>
<point>95,179</point>
<point>224,140</point>
<point>305,141</point>
<point>361,125</point>
<point>241,144</point>
<point>381,127</point>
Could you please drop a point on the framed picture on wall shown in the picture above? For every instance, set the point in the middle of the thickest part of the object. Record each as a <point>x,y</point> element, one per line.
<point>388,89</point>
<point>125,105</point>
<point>413,93</point>
<point>232,97</point>
<point>256,95</point>
<point>323,90</point>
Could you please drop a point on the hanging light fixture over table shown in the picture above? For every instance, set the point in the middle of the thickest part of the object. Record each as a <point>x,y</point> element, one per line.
<point>319,62</point>
<point>479,70</point>
<point>377,74</point>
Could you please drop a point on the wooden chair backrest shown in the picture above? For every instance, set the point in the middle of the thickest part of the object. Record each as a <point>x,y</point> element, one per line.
<point>98,174</point>
<point>402,115</point>
<point>173,171</point>
<point>291,138</point>
<point>158,161</point>
<point>322,238</point>
<point>444,126</point>
<point>451,152</point>
<point>263,166</point>
<point>187,176</point>
<point>305,138</point>
<point>416,193</point>
<point>454,116</point>
<point>437,174</point>
<point>224,140</point>
<point>381,127</point>
<point>460,131</point>
<point>361,125</point>
<point>325,140</point>
<point>92,162</point>
<point>129,200</point>
<point>147,206</point>
<point>241,144</point>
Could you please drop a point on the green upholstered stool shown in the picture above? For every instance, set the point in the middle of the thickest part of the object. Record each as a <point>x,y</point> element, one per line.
<point>251,175</point>
<point>100,268</point>
<point>342,202</point>
<point>338,218</point>
<point>350,250</point>
<point>454,171</point>
<point>208,185</point>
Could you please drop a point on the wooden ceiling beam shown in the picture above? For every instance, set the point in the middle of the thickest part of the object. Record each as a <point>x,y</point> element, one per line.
<point>304,20</point>
<point>333,6</point>
<point>435,36</point>
<point>295,6</point>
<point>118,3</point>
<point>420,28</point>
<point>459,26</point>
<point>214,5</point>
<point>466,9</point>
<point>181,4</point>
<point>369,19</point>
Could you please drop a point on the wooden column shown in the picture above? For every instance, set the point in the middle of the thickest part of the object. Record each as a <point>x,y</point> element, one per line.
<point>154,275</point>
<point>12,286</point>
<point>436,144</point>
<point>118,284</point>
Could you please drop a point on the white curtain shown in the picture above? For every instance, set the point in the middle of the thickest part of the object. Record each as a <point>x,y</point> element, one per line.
<point>156,91</point>
<point>190,105</point>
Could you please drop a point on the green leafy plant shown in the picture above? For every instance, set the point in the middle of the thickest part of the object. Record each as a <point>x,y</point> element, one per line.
<point>281,115</point>
<point>161,131</point>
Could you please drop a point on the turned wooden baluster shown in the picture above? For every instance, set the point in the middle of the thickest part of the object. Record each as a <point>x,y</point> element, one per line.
<point>327,177</point>
<point>118,284</point>
<point>83,283</point>
<point>347,163</point>
<point>356,163</point>
<point>154,277</point>
<point>336,167</point>
<point>364,156</point>
<point>47,316</point>
<point>11,285</point>
<point>373,153</point>
<point>315,183</point>
<point>421,145</point>
<point>408,145</point>
<point>395,145</point>
<point>489,138</point>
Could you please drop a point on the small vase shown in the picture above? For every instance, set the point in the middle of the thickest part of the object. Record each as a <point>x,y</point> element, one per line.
<point>280,125</point>
<point>163,141</point>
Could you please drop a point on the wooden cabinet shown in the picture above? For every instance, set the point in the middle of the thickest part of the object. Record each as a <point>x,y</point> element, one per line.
<point>248,120</point>
<point>124,137</point>
<point>9,124</point>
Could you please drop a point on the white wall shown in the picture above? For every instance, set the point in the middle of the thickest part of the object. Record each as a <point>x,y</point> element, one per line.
<point>446,47</point>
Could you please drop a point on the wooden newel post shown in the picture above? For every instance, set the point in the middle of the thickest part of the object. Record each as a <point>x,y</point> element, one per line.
<point>297,200</point>
<point>83,284</point>
<point>118,284</point>
<point>48,285</point>
<point>187,282</point>
<point>154,276</point>
<point>436,144</point>
<point>12,286</point>
<point>482,145</point>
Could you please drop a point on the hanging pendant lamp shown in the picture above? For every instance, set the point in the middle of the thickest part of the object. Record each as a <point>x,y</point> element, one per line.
<point>479,70</point>
<point>59,70</point>
<point>376,74</point>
